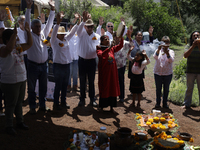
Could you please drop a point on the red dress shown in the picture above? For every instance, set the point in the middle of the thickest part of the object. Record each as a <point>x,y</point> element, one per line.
<point>107,70</point>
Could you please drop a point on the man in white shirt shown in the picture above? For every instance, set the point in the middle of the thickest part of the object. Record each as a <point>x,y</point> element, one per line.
<point>88,40</point>
<point>109,28</point>
<point>37,57</point>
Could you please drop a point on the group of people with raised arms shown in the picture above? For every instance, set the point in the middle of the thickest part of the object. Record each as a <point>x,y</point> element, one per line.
<point>81,46</point>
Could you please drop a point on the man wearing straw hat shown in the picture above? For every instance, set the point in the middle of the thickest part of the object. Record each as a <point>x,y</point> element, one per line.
<point>87,55</point>
<point>37,57</point>
<point>61,60</point>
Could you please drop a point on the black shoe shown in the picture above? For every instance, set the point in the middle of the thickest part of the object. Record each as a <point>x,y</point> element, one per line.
<point>10,131</point>
<point>166,106</point>
<point>22,126</point>
<point>157,106</point>
<point>56,107</point>
<point>65,106</point>
<point>94,104</point>
<point>81,103</point>
<point>32,111</point>
<point>44,109</point>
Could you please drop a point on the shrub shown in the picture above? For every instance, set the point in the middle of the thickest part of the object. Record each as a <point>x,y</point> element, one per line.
<point>179,70</point>
<point>177,92</point>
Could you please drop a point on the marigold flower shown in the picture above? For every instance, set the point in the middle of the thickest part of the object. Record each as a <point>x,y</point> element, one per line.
<point>137,143</point>
<point>175,139</point>
<point>137,114</point>
<point>139,125</point>
<point>169,136</point>
<point>169,125</point>
<point>156,119</point>
<point>45,41</point>
<point>94,38</point>
<point>71,140</point>
<point>148,123</point>
<point>173,120</point>
<point>89,133</point>
<point>181,142</point>
<point>191,140</point>
<point>139,117</point>
<point>61,44</point>
<point>150,120</point>
<point>176,125</point>
<point>162,119</point>
<point>170,122</point>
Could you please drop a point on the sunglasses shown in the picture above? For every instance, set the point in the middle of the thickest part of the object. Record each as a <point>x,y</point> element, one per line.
<point>167,42</point>
<point>110,26</point>
<point>90,26</point>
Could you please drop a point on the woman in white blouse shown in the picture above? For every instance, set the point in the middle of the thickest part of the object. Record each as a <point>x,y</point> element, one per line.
<point>163,71</point>
<point>61,60</point>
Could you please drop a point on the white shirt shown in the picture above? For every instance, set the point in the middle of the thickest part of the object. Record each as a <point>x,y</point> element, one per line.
<point>73,46</point>
<point>21,36</point>
<point>61,55</point>
<point>87,43</point>
<point>12,67</point>
<point>136,69</point>
<point>38,52</point>
<point>98,31</point>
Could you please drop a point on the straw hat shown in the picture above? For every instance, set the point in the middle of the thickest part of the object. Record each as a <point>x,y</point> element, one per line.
<point>61,30</point>
<point>89,22</point>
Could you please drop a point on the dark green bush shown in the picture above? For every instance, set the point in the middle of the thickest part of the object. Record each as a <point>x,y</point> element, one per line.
<point>179,70</point>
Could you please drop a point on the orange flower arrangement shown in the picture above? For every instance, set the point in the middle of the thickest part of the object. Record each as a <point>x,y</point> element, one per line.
<point>162,119</point>
<point>8,12</point>
<point>61,44</point>
<point>71,140</point>
<point>191,140</point>
<point>94,38</point>
<point>148,123</point>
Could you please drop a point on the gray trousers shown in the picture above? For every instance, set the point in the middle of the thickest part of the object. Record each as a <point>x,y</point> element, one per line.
<point>190,86</point>
<point>14,96</point>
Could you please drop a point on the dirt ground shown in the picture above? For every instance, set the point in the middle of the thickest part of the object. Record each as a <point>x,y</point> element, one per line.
<point>49,131</point>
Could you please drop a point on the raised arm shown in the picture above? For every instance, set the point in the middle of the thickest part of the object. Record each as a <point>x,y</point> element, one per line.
<point>146,57</point>
<point>156,53</point>
<point>28,12</point>
<point>129,52</point>
<point>80,28</point>
<point>119,46</point>
<point>101,22</point>
<point>29,36</point>
<point>6,50</point>
<point>49,23</point>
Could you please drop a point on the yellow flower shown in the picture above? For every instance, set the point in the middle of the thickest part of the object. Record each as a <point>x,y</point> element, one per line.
<point>150,120</point>
<point>169,136</point>
<point>61,44</point>
<point>94,38</point>
<point>173,120</point>
<point>162,127</point>
<point>162,119</point>
<point>139,125</point>
<point>45,41</point>
<point>148,123</point>
<point>156,119</point>
<point>71,140</point>
<point>139,117</point>
<point>169,125</point>
<point>137,143</point>
<point>176,125</point>
<point>191,140</point>
<point>181,142</point>
<point>170,122</point>
<point>175,139</point>
<point>137,114</point>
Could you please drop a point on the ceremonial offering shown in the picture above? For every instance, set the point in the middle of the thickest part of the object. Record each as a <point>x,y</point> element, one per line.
<point>184,136</point>
<point>120,29</point>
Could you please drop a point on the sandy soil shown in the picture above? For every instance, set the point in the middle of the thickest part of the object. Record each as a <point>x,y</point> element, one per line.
<point>49,131</point>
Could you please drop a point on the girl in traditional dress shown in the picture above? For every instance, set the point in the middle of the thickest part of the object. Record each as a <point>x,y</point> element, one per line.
<point>137,83</point>
<point>108,74</point>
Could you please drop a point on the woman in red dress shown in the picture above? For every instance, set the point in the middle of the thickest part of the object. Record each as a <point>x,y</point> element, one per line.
<point>108,75</point>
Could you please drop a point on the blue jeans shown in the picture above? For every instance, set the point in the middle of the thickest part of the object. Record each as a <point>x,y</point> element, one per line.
<point>34,72</point>
<point>165,81</point>
<point>87,68</point>
<point>73,72</point>
<point>61,76</point>
<point>190,86</point>
<point>121,72</point>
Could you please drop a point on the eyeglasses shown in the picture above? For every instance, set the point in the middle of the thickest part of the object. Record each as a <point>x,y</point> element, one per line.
<point>167,42</point>
<point>110,26</point>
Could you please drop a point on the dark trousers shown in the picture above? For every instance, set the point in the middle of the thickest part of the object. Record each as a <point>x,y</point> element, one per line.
<point>121,72</point>
<point>165,81</point>
<point>36,71</point>
<point>61,76</point>
<point>87,68</point>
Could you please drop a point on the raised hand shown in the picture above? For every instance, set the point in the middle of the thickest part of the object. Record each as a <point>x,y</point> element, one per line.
<point>42,17</point>
<point>29,3</point>
<point>89,16</point>
<point>76,15</point>
<point>27,27</point>
<point>2,15</point>
<point>79,18</point>
<point>102,31</point>
<point>85,14</point>
<point>52,4</point>
<point>59,17</point>
<point>101,21</point>
<point>144,52</point>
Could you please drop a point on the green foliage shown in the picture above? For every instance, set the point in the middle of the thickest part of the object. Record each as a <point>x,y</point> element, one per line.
<point>151,13</point>
<point>69,7</point>
<point>177,92</point>
<point>113,14</point>
<point>179,70</point>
